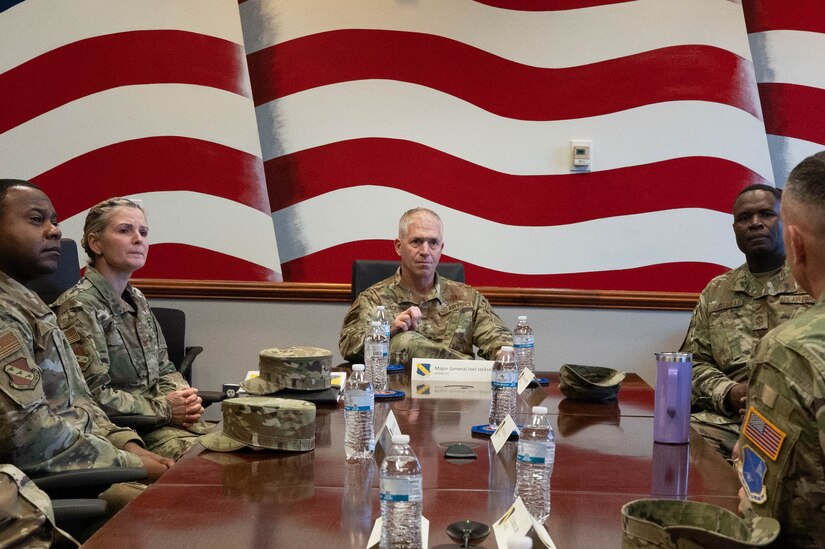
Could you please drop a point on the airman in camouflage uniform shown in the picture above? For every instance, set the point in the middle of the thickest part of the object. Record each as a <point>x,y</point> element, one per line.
<point>48,419</point>
<point>122,354</point>
<point>734,312</point>
<point>44,402</point>
<point>781,458</point>
<point>433,317</point>
<point>26,516</point>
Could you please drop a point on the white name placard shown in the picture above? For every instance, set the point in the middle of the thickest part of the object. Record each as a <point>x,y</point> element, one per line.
<point>458,390</point>
<point>443,369</point>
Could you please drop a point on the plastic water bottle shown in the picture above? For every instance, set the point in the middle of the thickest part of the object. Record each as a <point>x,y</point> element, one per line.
<point>400,497</point>
<point>382,316</point>
<point>376,356</point>
<point>534,464</point>
<point>504,387</point>
<point>359,410</point>
<point>524,343</point>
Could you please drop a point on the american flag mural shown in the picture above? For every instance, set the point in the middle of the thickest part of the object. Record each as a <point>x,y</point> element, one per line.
<point>788,44</point>
<point>368,108</point>
<point>335,117</point>
<point>147,99</point>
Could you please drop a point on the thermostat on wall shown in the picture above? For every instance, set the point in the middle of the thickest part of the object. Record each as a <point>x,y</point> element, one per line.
<point>582,156</point>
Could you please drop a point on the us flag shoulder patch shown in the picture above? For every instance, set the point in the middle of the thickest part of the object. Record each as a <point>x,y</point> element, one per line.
<point>763,434</point>
<point>71,334</point>
<point>9,344</point>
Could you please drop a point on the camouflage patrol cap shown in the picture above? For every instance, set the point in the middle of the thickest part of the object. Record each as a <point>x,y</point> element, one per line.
<point>672,524</point>
<point>264,422</point>
<point>589,382</point>
<point>300,368</point>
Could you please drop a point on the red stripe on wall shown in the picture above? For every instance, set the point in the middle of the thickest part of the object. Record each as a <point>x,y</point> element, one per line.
<point>155,164</point>
<point>501,86</point>
<point>800,15</point>
<point>693,182</point>
<point>335,265</point>
<point>180,261</point>
<point>794,111</point>
<point>548,5</point>
<point>122,59</point>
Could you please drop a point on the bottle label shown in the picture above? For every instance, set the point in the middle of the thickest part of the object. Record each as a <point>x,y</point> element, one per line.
<point>401,489</point>
<point>505,379</point>
<point>375,350</point>
<point>532,452</point>
<point>359,403</point>
<point>524,342</point>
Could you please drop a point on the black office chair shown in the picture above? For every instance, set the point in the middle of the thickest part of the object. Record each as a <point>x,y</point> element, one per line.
<point>74,495</point>
<point>173,325</point>
<point>366,272</point>
<point>50,286</point>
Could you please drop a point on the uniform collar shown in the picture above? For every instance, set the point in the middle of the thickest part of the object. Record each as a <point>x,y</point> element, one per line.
<point>20,292</point>
<point>780,283</point>
<point>405,295</point>
<point>118,305</point>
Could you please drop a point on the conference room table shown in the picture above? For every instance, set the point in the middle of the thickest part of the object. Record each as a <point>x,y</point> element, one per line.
<point>605,457</point>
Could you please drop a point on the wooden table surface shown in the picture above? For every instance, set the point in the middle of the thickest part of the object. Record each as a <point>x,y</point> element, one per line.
<point>605,457</point>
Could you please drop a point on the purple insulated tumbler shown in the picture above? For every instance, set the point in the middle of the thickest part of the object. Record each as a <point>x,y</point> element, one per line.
<point>671,409</point>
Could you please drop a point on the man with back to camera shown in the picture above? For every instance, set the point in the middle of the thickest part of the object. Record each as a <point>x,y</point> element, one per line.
<point>781,457</point>
<point>735,311</point>
<point>48,420</point>
<point>432,317</point>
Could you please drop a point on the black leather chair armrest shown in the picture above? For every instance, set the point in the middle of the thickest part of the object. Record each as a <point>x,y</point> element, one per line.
<point>137,421</point>
<point>86,483</point>
<point>188,359</point>
<point>68,510</point>
<point>211,397</point>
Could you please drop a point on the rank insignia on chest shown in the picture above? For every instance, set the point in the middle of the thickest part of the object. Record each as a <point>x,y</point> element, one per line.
<point>752,471</point>
<point>762,433</point>
<point>21,376</point>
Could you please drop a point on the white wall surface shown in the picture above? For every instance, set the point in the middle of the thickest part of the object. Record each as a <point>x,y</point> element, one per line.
<point>233,332</point>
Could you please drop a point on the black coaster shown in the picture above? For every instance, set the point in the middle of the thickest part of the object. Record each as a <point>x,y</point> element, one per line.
<point>390,395</point>
<point>488,430</point>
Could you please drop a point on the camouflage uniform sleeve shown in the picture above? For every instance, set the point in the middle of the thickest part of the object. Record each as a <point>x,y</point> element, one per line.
<point>710,385</point>
<point>784,429</point>
<point>92,352</point>
<point>351,340</point>
<point>41,441</point>
<point>26,513</point>
<point>489,333</point>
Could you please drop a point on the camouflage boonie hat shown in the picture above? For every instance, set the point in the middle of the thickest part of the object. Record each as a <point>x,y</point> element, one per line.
<point>674,524</point>
<point>300,368</point>
<point>589,382</point>
<point>264,422</point>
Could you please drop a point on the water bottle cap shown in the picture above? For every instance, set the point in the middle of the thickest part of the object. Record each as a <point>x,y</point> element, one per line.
<point>401,439</point>
<point>537,410</point>
<point>506,349</point>
<point>358,368</point>
<point>522,317</point>
<point>375,323</point>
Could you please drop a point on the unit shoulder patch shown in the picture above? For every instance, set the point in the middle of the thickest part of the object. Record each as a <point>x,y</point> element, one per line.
<point>752,469</point>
